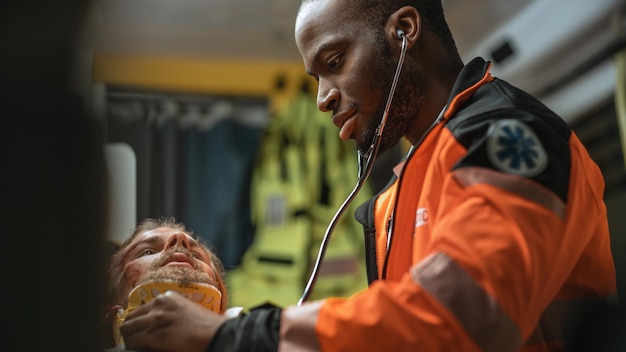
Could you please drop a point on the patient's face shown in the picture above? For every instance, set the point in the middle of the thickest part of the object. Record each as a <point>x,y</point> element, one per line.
<point>166,254</point>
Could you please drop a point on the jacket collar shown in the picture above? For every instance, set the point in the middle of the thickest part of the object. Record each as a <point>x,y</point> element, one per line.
<point>473,75</point>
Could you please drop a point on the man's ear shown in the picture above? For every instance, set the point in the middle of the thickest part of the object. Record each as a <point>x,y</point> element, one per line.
<point>221,286</point>
<point>109,318</point>
<point>110,312</point>
<point>406,22</point>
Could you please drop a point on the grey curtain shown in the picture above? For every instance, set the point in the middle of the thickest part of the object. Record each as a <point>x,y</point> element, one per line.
<point>194,160</point>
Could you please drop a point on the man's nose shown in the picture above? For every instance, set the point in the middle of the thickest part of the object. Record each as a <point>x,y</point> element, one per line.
<point>178,239</point>
<point>327,96</point>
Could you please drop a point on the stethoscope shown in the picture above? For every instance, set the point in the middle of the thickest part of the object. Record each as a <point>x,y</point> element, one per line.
<point>366,163</point>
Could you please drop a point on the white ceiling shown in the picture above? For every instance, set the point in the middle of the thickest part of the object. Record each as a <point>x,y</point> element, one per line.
<point>248,29</point>
<point>551,38</point>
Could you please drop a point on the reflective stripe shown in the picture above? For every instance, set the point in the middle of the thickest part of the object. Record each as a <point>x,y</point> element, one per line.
<point>297,328</point>
<point>476,311</point>
<point>523,187</point>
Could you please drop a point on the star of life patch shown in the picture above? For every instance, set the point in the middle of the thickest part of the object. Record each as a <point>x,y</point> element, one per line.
<point>513,147</point>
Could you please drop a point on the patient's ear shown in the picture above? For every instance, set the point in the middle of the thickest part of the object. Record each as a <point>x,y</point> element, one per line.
<point>221,286</point>
<point>109,318</point>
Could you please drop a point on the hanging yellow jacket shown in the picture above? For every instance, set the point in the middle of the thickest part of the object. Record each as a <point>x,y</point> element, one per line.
<point>302,174</point>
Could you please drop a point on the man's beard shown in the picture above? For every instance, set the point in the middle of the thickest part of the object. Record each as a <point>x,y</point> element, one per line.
<point>179,274</point>
<point>404,107</point>
<point>174,273</point>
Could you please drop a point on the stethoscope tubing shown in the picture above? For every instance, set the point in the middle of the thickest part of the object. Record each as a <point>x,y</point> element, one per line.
<point>366,163</point>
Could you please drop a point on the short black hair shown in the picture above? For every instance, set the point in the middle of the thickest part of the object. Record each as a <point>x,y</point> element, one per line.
<point>376,12</point>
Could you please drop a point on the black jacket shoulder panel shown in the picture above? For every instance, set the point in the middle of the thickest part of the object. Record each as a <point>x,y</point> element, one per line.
<point>508,130</point>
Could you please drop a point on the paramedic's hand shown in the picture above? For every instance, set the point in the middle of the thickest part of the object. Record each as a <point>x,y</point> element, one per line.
<point>170,323</point>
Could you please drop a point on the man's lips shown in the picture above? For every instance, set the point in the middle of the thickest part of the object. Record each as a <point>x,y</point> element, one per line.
<point>179,259</point>
<point>185,264</point>
<point>346,121</point>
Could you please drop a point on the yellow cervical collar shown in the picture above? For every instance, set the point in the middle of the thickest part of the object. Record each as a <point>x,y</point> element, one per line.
<point>206,295</point>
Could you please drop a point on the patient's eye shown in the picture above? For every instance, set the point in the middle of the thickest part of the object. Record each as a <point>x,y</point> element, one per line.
<point>197,255</point>
<point>147,251</point>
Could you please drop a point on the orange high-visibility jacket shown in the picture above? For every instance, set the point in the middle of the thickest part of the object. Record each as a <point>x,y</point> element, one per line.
<point>493,232</point>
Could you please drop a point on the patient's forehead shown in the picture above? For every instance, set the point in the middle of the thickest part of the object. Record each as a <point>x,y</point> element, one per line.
<point>160,232</point>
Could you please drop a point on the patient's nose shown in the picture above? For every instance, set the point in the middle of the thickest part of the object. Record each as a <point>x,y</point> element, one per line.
<point>178,239</point>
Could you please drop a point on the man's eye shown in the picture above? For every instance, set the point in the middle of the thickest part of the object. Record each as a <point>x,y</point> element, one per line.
<point>334,63</point>
<point>147,251</point>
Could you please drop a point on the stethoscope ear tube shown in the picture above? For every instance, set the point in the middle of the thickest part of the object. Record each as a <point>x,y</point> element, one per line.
<point>366,160</point>
<point>366,163</point>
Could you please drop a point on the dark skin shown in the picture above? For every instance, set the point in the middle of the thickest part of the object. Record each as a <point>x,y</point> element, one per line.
<point>338,54</point>
<point>354,72</point>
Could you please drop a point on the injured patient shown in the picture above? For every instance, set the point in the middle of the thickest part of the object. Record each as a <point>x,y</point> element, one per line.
<point>161,255</point>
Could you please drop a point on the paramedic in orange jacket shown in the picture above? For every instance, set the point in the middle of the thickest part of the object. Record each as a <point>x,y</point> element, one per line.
<point>494,231</point>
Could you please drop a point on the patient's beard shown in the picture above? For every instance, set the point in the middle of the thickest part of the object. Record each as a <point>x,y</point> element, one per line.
<point>180,274</point>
